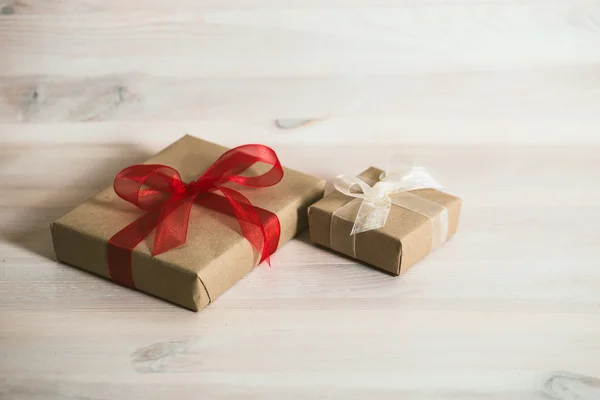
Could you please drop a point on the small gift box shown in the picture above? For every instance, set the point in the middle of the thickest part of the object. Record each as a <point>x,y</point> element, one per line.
<point>188,242</point>
<point>388,219</point>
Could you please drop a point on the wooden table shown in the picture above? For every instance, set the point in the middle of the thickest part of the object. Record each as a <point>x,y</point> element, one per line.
<point>501,98</point>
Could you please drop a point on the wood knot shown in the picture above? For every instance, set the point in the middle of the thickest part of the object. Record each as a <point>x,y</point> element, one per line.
<point>570,386</point>
<point>7,10</point>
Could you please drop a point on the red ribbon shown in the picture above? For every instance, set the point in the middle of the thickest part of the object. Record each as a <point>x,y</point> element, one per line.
<point>159,190</point>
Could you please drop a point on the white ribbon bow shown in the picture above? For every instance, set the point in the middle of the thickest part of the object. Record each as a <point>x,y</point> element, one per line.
<point>399,176</point>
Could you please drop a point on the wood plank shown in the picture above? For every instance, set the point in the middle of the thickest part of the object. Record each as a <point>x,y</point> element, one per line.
<point>281,43</point>
<point>61,7</point>
<point>530,94</point>
<point>396,132</point>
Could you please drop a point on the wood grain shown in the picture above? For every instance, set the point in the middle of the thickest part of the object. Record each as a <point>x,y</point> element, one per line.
<point>428,72</point>
<point>506,310</point>
<point>529,95</point>
<point>499,96</point>
<point>305,42</point>
<point>397,132</point>
<point>51,7</point>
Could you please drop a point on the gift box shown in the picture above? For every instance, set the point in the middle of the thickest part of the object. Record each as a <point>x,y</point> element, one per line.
<point>387,220</point>
<point>190,222</point>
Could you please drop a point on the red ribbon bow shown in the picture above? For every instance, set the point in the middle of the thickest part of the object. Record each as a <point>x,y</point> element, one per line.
<point>159,190</point>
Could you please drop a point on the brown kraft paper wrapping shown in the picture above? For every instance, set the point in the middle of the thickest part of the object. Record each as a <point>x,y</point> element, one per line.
<point>215,256</point>
<point>405,239</point>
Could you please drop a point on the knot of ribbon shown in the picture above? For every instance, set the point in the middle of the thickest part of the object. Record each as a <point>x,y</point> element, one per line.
<point>159,190</point>
<point>399,177</point>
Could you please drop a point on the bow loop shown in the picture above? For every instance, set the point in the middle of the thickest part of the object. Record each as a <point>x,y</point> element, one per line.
<point>159,188</point>
<point>349,185</point>
<point>401,175</point>
<point>234,162</point>
<point>147,186</point>
<point>415,179</point>
<point>375,204</point>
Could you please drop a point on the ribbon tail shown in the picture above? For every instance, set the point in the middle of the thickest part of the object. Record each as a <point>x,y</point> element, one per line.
<point>173,221</point>
<point>252,227</point>
<point>371,215</point>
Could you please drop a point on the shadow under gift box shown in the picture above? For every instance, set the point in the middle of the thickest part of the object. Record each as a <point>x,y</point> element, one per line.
<point>216,254</point>
<point>405,239</point>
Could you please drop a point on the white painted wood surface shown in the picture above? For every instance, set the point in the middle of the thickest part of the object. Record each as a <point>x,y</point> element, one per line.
<point>420,71</point>
<point>500,96</point>
<point>509,309</point>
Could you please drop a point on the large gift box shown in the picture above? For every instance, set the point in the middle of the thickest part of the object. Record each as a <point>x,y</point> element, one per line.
<point>190,222</point>
<point>388,219</point>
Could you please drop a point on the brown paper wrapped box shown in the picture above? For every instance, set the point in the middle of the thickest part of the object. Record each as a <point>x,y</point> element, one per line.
<point>215,256</point>
<point>405,239</point>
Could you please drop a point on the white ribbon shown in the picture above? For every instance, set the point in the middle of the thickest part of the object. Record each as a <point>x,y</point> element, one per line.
<point>399,177</point>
